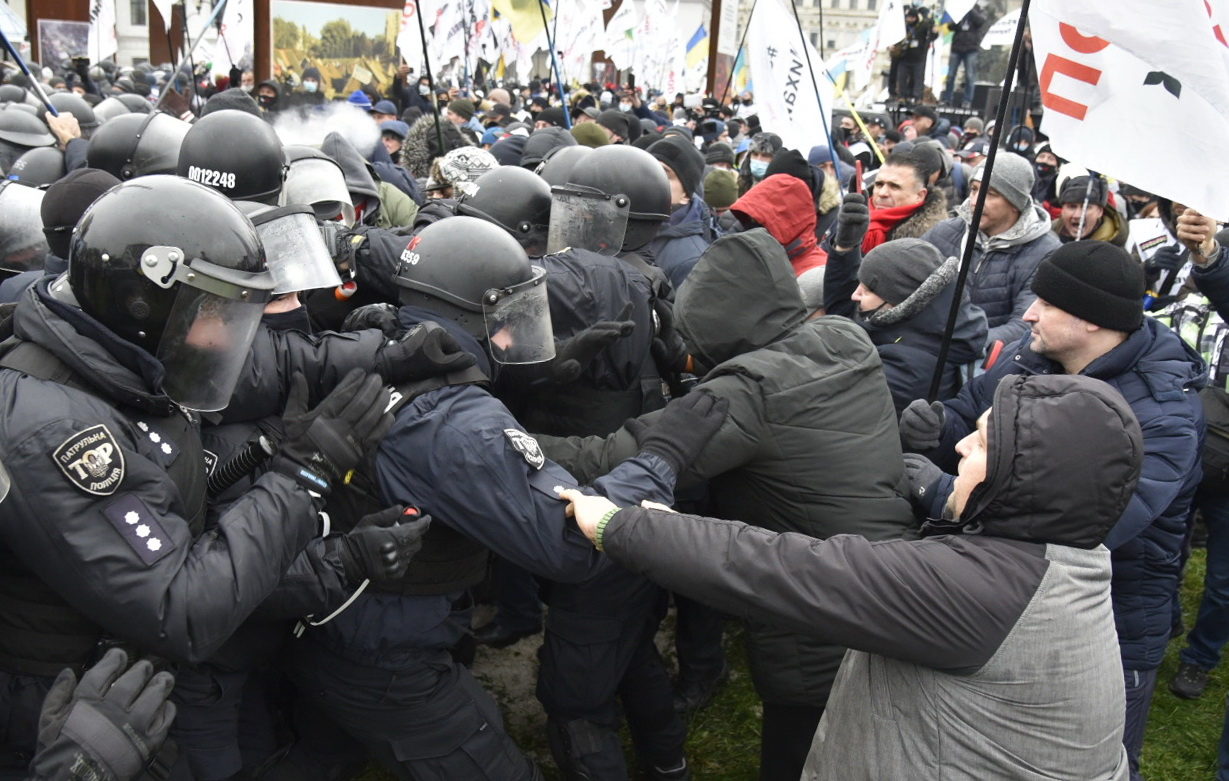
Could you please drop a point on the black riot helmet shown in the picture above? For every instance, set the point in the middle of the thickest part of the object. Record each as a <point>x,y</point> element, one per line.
<point>557,166</point>
<point>635,173</point>
<point>235,153</point>
<point>474,273</point>
<point>20,130</point>
<point>135,103</point>
<point>23,246</point>
<point>38,167</point>
<point>515,200</point>
<point>109,109</point>
<point>68,103</point>
<point>11,93</point>
<point>134,145</point>
<point>174,267</point>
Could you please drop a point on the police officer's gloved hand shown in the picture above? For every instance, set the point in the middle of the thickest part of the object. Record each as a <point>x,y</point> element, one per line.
<point>109,726</point>
<point>382,316</point>
<point>322,445</point>
<point>574,354</point>
<point>852,222</point>
<point>381,545</point>
<point>1169,258</point>
<point>921,425</point>
<point>923,477</point>
<point>343,243</point>
<point>426,350</point>
<point>682,430</point>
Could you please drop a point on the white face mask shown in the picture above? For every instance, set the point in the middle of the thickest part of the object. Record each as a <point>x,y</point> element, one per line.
<point>246,87</point>
<point>310,86</point>
<point>625,107</point>
<point>424,89</point>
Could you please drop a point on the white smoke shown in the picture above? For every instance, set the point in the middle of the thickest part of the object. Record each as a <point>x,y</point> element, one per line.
<point>354,124</point>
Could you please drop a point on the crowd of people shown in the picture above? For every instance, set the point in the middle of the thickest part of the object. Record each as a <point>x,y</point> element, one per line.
<point>290,382</point>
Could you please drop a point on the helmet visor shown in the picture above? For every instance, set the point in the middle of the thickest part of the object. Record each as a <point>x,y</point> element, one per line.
<point>5,482</point>
<point>585,218</point>
<point>517,320</point>
<point>157,145</point>
<point>321,185</point>
<point>205,344</point>
<point>295,250</point>
<point>23,245</point>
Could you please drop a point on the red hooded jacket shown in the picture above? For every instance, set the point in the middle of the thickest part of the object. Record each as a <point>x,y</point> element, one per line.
<point>782,205</point>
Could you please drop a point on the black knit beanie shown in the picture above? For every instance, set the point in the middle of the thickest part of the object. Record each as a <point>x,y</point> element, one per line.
<point>719,152</point>
<point>1096,282</point>
<point>895,269</point>
<point>233,98</point>
<point>682,158</point>
<point>65,202</point>
<point>791,161</point>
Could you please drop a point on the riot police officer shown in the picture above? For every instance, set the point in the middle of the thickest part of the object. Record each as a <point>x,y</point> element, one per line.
<point>381,670</point>
<point>102,533</point>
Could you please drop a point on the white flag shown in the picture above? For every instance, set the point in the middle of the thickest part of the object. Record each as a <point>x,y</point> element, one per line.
<point>1122,83</point>
<point>1002,32</point>
<point>957,9</point>
<point>235,42</point>
<point>102,40</point>
<point>409,37</point>
<point>890,27</point>
<point>784,89</point>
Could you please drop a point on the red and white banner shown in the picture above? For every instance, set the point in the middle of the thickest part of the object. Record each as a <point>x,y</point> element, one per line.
<point>1139,91</point>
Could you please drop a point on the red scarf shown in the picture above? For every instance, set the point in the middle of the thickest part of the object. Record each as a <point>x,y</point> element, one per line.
<point>882,223</point>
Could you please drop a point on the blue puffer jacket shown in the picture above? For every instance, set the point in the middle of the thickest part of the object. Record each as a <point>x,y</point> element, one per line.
<point>1159,376</point>
<point>1003,269</point>
<point>682,240</point>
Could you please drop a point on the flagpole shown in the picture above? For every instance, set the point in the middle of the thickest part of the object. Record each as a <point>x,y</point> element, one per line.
<point>554,59</point>
<point>979,206</point>
<point>212,17</point>
<point>734,67</point>
<point>426,66</point>
<point>38,88</point>
<point>823,114</point>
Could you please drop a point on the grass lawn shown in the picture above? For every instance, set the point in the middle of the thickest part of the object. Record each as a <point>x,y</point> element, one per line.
<point>724,741</point>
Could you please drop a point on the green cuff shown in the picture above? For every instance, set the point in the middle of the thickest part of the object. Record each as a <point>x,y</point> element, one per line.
<point>601,527</point>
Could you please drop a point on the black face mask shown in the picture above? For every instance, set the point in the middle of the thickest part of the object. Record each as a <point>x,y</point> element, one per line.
<point>266,101</point>
<point>294,320</point>
<point>1045,170</point>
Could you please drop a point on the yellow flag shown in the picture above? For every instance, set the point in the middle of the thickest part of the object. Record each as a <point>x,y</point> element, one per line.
<point>524,16</point>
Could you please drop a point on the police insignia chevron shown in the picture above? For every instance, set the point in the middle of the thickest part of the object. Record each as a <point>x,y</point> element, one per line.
<point>527,446</point>
<point>92,461</point>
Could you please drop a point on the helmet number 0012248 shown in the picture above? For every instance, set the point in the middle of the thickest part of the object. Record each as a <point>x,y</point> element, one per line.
<point>212,178</point>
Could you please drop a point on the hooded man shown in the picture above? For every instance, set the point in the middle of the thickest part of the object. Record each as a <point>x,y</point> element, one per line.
<point>901,293</point>
<point>808,447</point>
<point>311,91</point>
<point>1084,216</point>
<point>754,166</point>
<point>784,205</point>
<point>984,650</point>
<point>1088,319</point>
<point>1012,239</point>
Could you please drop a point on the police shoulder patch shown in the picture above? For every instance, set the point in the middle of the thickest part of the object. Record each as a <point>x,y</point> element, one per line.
<point>140,528</point>
<point>92,461</point>
<point>527,446</point>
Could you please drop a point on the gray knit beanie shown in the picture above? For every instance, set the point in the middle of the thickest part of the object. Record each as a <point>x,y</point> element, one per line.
<point>896,268</point>
<point>1013,178</point>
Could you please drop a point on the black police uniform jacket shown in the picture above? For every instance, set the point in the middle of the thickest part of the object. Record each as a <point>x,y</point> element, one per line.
<point>102,532</point>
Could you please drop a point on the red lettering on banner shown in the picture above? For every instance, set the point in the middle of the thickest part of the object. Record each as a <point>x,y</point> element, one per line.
<point>1055,65</point>
<point>1084,44</point>
<point>1216,30</point>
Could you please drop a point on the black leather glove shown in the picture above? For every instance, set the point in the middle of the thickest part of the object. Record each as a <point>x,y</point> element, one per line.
<point>381,545</point>
<point>921,425</point>
<point>852,222</point>
<point>1168,258</point>
<point>322,445</point>
<point>574,354</point>
<point>426,350</point>
<point>110,726</point>
<point>923,477</point>
<point>682,430</point>
<point>382,316</point>
<point>344,245</point>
